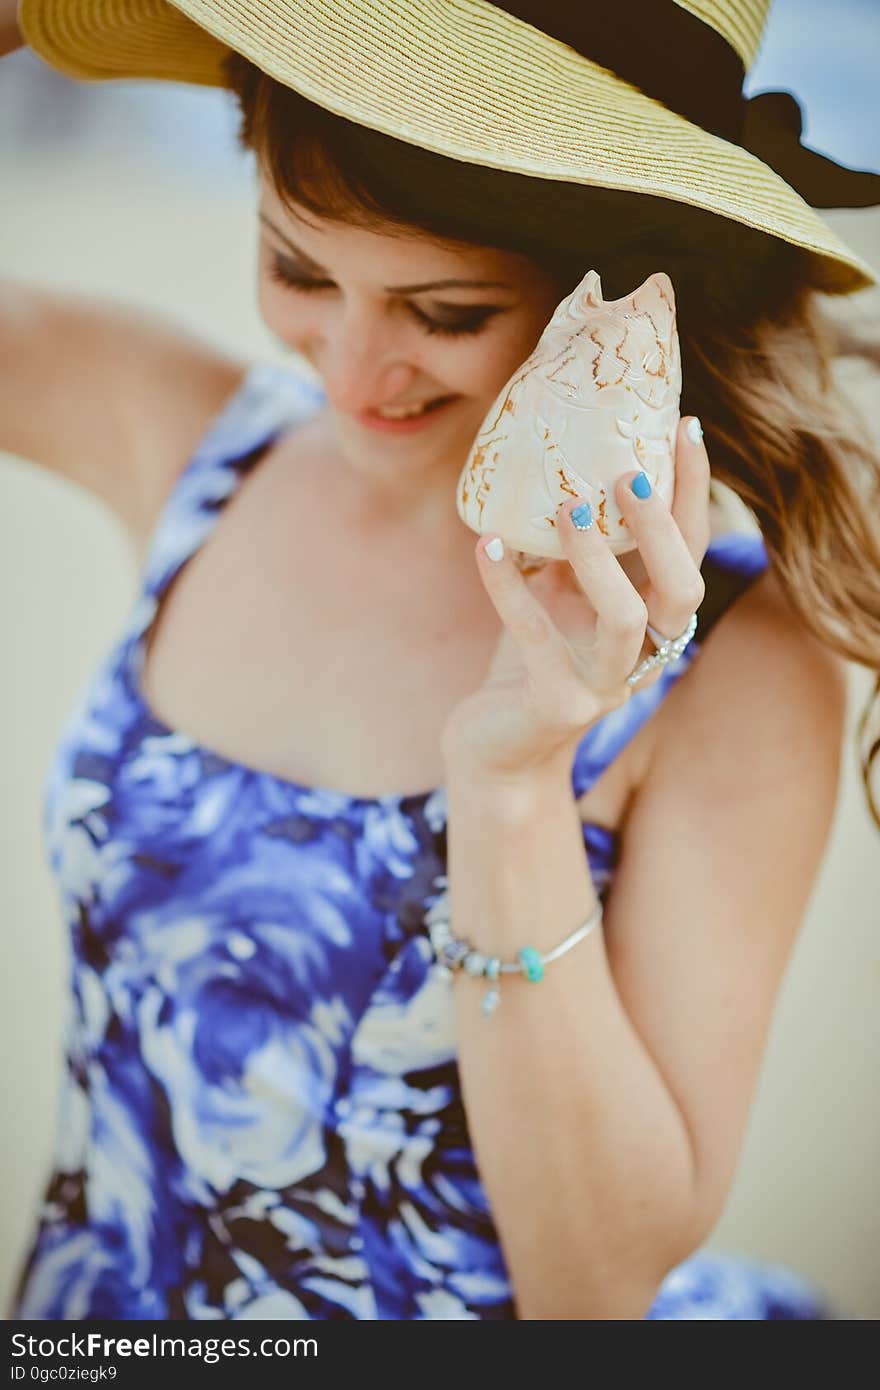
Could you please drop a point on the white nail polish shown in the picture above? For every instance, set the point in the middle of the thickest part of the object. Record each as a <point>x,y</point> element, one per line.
<point>495,549</point>
<point>694,430</point>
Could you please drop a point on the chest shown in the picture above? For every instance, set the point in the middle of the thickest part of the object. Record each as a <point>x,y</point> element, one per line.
<point>291,645</point>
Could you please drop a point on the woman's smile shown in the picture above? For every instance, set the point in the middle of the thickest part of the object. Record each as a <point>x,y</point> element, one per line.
<point>406,419</point>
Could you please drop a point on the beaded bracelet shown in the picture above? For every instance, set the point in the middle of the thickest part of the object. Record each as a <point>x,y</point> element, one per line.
<point>453,953</point>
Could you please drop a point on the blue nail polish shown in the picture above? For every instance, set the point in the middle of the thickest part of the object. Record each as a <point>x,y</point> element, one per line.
<point>582,516</point>
<point>640,485</point>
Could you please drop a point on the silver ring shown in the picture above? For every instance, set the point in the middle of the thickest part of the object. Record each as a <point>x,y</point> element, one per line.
<point>668,649</point>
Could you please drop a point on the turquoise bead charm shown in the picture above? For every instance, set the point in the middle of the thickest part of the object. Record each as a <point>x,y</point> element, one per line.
<point>491,1000</point>
<point>532,965</point>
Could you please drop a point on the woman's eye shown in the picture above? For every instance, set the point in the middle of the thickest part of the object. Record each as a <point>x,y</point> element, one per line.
<point>468,321</point>
<point>285,274</point>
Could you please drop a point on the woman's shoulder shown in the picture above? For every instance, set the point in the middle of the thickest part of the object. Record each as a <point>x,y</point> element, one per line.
<point>760,637</point>
<point>763,699</point>
<point>751,636</point>
<point>758,681</point>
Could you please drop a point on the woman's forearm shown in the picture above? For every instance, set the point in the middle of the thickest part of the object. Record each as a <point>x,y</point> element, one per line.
<point>584,1155</point>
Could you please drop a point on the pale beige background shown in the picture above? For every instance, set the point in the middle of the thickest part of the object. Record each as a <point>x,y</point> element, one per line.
<point>96,216</point>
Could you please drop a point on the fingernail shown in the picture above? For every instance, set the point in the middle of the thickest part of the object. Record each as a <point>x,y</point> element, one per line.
<point>640,485</point>
<point>582,516</point>
<point>694,430</point>
<point>495,549</point>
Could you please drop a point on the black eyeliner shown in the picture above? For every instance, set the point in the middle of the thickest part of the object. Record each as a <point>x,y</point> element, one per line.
<point>287,274</point>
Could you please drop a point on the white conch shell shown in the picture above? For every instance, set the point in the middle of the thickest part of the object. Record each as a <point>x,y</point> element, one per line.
<point>598,397</point>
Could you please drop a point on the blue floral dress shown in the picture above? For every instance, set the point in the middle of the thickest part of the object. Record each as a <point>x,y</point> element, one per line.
<point>261,1115</point>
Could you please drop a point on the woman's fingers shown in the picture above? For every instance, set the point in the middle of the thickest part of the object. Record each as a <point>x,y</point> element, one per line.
<point>690,501</point>
<point>556,693</point>
<point>621,613</point>
<point>524,617</point>
<point>672,542</point>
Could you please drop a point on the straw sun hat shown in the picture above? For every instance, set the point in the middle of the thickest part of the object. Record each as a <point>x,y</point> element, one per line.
<point>643,95</point>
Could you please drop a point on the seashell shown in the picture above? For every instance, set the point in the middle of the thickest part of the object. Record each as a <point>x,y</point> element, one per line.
<point>598,397</point>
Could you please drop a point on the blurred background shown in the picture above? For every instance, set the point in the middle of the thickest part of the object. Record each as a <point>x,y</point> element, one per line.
<point>137,191</point>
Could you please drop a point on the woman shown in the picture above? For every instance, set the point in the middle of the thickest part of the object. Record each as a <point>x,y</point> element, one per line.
<point>280,1103</point>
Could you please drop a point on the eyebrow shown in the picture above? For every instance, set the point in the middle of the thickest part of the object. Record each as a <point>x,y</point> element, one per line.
<point>395,289</point>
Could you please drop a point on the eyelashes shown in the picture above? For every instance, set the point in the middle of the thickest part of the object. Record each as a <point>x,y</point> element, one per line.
<point>470,323</point>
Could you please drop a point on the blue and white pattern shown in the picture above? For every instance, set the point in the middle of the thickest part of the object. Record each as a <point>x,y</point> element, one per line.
<point>262,1115</point>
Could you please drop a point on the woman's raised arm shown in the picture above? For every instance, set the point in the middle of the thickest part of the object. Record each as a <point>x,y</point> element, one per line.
<point>108,395</point>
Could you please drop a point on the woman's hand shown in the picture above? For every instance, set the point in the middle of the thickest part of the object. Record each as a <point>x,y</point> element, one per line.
<point>566,649</point>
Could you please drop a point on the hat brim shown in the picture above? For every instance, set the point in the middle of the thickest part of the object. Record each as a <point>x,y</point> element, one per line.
<point>460,77</point>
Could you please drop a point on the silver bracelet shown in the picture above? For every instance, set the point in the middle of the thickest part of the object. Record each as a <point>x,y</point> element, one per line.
<point>454,953</point>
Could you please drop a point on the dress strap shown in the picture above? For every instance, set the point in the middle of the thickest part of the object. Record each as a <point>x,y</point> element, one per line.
<point>268,400</point>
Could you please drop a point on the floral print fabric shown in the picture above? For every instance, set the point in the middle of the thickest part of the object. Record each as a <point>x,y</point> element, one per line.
<point>261,1115</point>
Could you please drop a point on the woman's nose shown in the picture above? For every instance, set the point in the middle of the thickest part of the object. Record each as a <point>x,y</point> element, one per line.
<point>360,368</point>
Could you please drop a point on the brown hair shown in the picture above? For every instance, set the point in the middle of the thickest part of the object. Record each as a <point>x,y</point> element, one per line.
<point>756,348</point>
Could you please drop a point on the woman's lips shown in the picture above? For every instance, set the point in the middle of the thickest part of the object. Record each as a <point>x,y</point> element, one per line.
<point>410,423</point>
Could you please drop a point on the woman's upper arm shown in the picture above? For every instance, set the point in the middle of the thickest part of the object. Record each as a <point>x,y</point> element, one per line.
<point>109,396</point>
<point>720,851</point>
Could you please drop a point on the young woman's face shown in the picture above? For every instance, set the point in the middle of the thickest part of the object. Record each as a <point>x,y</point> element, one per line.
<point>399,323</point>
